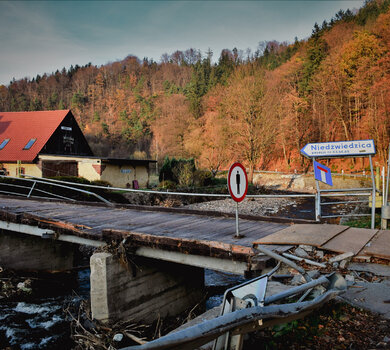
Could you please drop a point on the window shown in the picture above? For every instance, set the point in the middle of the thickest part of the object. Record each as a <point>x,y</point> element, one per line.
<point>29,144</point>
<point>4,143</point>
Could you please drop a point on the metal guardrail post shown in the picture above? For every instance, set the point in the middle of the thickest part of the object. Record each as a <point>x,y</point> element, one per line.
<point>373,194</point>
<point>32,188</point>
<point>385,208</point>
<point>387,178</point>
<point>317,205</point>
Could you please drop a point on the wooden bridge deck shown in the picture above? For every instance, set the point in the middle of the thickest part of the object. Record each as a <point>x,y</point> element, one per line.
<point>169,231</point>
<point>188,233</point>
<point>93,220</point>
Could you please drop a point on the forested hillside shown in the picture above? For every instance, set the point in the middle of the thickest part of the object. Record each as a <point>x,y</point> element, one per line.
<point>258,107</point>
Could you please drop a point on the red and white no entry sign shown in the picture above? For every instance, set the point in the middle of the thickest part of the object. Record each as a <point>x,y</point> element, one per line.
<point>237,182</point>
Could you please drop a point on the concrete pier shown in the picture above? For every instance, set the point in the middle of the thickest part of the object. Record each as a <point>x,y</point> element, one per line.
<point>144,292</point>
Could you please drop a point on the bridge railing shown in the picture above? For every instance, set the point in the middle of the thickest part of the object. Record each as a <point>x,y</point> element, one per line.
<point>28,184</point>
<point>171,193</point>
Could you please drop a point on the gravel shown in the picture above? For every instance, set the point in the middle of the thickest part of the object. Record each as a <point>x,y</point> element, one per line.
<point>250,206</point>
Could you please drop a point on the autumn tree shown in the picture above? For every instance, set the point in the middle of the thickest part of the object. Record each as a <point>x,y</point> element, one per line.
<point>243,109</point>
<point>170,126</point>
<point>208,139</point>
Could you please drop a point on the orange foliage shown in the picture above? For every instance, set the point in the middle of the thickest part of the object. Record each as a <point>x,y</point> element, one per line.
<point>333,87</point>
<point>170,126</point>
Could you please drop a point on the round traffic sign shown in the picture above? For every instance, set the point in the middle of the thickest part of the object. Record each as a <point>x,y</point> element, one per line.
<point>237,182</point>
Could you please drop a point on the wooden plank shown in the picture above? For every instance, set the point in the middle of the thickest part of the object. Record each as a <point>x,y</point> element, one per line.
<point>126,224</point>
<point>256,235</point>
<point>351,240</point>
<point>67,215</point>
<point>159,226</point>
<point>256,231</point>
<point>130,222</point>
<point>17,210</point>
<point>197,226</point>
<point>310,234</point>
<point>90,221</point>
<point>380,245</point>
<point>270,230</point>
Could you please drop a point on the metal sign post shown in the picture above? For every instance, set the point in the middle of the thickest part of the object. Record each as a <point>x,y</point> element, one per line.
<point>317,206</point>
<point>321,173</point>
<point>237,223</point>
<point>339,149</point>
<point>373,195</point>
<point>385,215</point>
<point>237,181</point>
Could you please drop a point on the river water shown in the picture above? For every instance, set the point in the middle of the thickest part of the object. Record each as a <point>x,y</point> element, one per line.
<point>41,323</point>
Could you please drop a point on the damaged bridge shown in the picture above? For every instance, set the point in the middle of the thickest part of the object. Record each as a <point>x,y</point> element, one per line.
<point>148,262</point>
<point>190,237</point>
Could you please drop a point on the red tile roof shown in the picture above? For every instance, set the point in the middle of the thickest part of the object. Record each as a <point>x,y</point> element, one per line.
<point>21,127</point>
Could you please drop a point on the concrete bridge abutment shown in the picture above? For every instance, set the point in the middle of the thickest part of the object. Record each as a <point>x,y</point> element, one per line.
<point>24,252</point>
<point>147,290</point>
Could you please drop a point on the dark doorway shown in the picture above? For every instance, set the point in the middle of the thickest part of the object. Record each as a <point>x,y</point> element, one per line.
<point>59,168</point>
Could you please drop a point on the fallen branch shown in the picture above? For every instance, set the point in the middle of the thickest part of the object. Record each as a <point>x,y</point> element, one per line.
<point>138,340</point>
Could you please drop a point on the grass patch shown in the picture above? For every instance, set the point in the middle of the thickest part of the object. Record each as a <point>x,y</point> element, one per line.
<point>364,222</point>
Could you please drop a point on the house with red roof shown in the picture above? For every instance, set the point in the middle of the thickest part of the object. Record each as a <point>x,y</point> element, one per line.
<point>51,143</point>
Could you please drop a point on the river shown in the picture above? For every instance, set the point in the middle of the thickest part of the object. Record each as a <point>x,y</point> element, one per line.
<point>41,323</point>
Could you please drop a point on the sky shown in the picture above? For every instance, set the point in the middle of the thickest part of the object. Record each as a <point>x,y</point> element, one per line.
<point>40,37</point>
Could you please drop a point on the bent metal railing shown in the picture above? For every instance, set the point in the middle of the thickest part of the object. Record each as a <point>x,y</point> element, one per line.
<point>33,181</point>
<point>30,187</point>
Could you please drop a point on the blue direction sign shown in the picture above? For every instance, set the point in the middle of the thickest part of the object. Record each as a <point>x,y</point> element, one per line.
<point>356,148</point>
<point>322,173</point>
